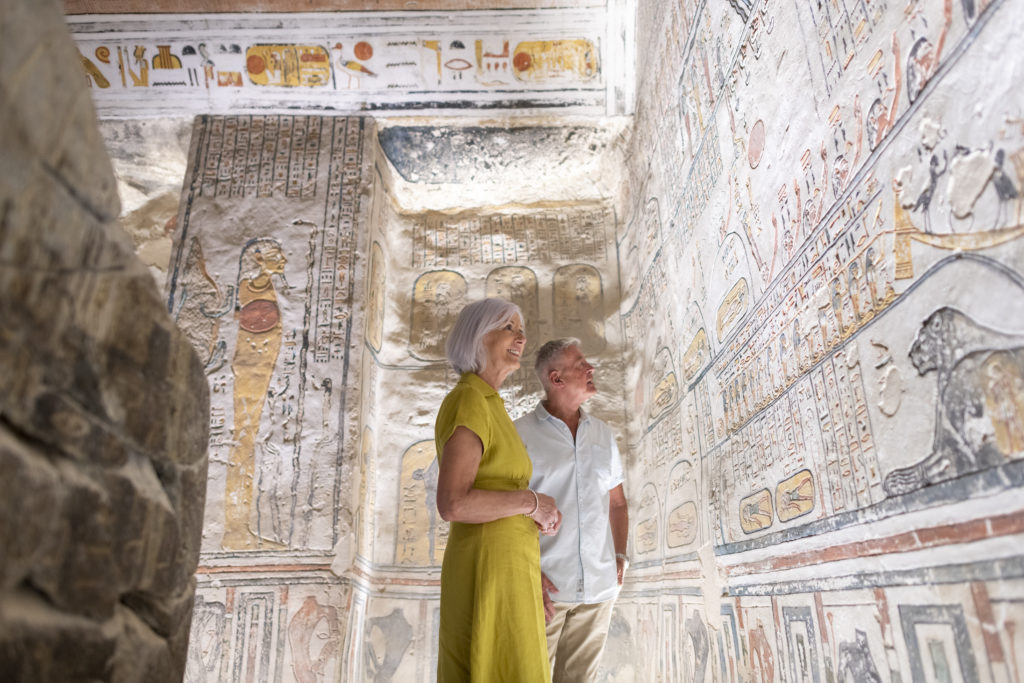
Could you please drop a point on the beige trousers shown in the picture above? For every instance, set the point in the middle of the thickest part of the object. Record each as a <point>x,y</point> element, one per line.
<point>576,636</point>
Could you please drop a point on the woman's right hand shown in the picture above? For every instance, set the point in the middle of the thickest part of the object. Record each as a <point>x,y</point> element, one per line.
<point>547,517</point>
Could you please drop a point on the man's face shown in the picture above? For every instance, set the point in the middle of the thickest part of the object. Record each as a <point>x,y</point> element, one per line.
<point>576,374</point>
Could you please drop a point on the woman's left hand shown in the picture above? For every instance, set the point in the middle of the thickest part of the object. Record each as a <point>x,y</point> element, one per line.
<point>547,516</point>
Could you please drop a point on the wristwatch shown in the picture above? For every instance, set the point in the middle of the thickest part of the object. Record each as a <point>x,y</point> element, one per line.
<point>624,557</point>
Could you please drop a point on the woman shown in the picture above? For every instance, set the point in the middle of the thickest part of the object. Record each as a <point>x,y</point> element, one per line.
<point>492,616</point>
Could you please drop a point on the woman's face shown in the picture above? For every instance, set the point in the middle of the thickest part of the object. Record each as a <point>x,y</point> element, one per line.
<point>504,346</point>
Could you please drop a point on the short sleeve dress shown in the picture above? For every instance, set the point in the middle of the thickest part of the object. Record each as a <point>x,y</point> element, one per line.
<point>492,615</point>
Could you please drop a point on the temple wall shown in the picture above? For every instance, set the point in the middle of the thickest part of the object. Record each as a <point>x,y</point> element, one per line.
<point>263,279</point>
<point>803,297</point>
<point>319,289</point>
<point>826,428</point>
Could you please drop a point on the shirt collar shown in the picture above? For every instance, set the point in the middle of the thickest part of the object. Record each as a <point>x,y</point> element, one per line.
<point>543,414</point>
<point>477,382</point>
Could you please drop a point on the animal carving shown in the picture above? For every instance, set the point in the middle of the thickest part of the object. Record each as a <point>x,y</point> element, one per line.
<point>979,410</point>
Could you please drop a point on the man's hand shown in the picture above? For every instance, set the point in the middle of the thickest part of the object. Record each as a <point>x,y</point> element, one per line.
<point>546,587</point>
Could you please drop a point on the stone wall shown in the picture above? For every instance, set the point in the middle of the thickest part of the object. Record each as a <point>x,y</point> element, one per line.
<point>103,403</point>
<point>266,263</point>
<point>318,288</point>
<point>827,427</point>
<point>807,288</point>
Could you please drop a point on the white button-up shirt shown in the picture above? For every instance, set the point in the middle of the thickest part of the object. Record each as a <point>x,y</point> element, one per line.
<point>580,558</point>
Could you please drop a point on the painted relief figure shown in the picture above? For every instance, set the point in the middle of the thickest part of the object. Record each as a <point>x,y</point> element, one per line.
<point>353,69</point>
<point>970,216</point>
<point>275,472</point>
<point>420,539</point>
<point>579,305</point>
<point>206,648</point>
<point>979,411</point>
<point>140,79</point>
<point>387,639</point>
<point>314,636</point>
<point>199,308</point>
<point>880,118</point>
<point>761,658</point>
<point>437,298</point>
<point>856,662</point>
<point>697,648</point>
<point>256,351</point>
<point>923,58</point>
<point>518,285</point>
<point>847,158</point>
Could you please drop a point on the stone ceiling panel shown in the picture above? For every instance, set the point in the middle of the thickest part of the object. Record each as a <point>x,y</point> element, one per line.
<point>257,6</point>
<point>565,60</point>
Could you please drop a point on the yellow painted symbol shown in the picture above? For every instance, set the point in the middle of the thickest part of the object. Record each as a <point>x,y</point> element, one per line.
<point>437,298</point>
<point>519,285</point>
<point>682,525</point>
<point>732,309</point>
<point>794,497</point>
<point>288,65</point>
<point>756,512</point>
<point>696,355</point>
<point>94,73</point>
<point>546,60</point>
<point>164,59</point>
<point>422,534</point>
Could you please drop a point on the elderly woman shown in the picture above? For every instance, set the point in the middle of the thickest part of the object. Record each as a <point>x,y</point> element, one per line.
<point>492,615</point>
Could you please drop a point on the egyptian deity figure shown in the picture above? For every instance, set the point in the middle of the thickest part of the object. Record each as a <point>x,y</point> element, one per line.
<point>256,351</point>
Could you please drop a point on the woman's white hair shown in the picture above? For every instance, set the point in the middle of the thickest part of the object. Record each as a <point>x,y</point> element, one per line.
<point>465,348</point>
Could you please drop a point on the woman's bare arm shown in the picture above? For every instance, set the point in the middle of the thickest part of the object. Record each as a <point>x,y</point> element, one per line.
<point>458,501</point>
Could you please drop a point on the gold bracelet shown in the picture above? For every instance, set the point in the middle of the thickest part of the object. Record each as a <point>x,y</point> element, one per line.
<point>536,504</point>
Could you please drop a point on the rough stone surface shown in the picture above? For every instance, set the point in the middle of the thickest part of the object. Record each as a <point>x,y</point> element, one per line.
<point>103,403</point>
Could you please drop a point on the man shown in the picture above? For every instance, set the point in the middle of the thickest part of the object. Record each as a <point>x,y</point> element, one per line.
<point>576,461</point>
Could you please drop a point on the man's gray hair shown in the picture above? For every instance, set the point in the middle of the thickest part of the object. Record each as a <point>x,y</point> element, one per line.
<point>465,348</point>
<point>548,354</point>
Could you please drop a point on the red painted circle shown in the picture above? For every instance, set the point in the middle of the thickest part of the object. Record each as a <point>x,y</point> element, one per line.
<point>259,316</point>
<point>756,144</point>
<point>522,61</point>
<point>363,50</point>
<point>255,64</point>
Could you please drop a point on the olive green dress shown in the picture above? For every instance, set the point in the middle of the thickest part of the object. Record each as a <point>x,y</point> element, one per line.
<point>492,615</point>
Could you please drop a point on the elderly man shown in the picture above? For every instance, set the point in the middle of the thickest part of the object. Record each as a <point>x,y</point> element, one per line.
<point>576,462</point>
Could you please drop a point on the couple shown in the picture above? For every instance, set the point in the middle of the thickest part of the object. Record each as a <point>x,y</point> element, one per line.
<point>494,598</point>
